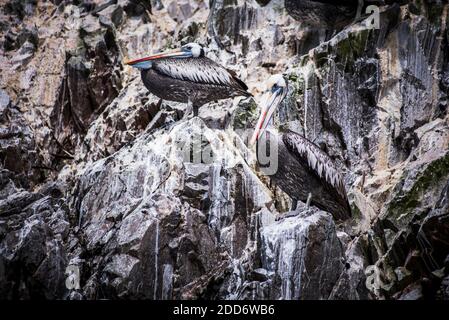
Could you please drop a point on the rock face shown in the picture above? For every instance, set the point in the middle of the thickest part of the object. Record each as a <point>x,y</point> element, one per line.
<point>311,271</point>
<point>106,193</point>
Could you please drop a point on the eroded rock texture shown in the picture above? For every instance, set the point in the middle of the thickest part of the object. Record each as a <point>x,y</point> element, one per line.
<point>97,174</point>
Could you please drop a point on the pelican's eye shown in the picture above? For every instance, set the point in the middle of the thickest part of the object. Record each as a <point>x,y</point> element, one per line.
<point>275,88</point>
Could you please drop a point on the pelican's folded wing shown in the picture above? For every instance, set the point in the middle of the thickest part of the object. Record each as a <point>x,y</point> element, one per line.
<point>315,159</point>
<point>198,70</point>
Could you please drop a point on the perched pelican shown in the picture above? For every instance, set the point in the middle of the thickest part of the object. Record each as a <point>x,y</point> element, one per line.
<point>304,171</point>
<point>327,14</point>
<point>187,76</point>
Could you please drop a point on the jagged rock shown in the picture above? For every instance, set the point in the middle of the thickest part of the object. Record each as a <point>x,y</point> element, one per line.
<point>144,216</point>
<point>16,39</point>
<point>17,145</point>
<point>259,274</point>
<point>16,202</point>
<point>135,8</point>
<point>4,101</point>
<point>158,254</point>
<point>32,252</point>
<point>111,15</point>
<point>91,83</point>
<point>304,256</point>
<point>244,116</point>
<point>128,115</point>
<point>20,8</point>
<point>181,10</point>
<point>196,185</point>
<point>404,277</point>
<point>139,217</point>
<point>412,292</point>
<point>445,288</point>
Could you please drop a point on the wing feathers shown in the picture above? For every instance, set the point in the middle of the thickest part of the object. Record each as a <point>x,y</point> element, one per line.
<point>199,70</point>
<point>316,159</point>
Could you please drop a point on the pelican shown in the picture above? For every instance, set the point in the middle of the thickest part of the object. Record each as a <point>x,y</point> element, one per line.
<point>327,14</point>
<point>187,76</point>
<point>304,171</point>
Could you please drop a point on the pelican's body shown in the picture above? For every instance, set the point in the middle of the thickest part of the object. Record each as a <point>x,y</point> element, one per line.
<point>327,14</point>
<point>198,92</point>
<point>322,13</point>
<point>304,171</point>
<point>188,76</point>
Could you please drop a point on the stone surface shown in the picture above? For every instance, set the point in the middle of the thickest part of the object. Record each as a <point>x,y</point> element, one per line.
<point>304,255</point>
<point>97,174</point>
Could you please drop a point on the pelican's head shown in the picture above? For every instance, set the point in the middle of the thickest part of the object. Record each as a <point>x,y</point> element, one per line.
<point>187,51</point>
<point>193,49</point>
<point>275,90</point>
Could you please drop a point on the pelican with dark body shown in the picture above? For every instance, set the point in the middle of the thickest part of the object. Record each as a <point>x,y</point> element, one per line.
<point>327,14</point>
<point>304,171</point>
<point>187,76</point>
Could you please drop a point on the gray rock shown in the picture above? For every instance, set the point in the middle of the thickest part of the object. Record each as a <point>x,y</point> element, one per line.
<point>259,274</point>
<point>17,146</point>
<point>4,101</point>
<point>32,252</point>
<point>144,218</point>
<point>412,292</point>
<point>304,254</point>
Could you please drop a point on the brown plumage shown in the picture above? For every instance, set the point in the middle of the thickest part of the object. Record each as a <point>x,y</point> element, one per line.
<point>302,167</point>
<point>187,76</point>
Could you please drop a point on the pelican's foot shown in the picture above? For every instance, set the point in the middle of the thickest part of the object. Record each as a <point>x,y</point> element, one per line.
<point>195,111</point>
<point>188,111</point>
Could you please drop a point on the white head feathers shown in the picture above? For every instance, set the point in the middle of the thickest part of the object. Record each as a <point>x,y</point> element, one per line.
<point>194,48</point>
<point>276,80</point>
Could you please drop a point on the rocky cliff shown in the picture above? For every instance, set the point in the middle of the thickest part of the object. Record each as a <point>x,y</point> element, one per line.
<point>93,174</point>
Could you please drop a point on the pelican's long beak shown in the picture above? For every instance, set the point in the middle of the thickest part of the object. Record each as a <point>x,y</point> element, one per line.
<point>270,102</point>
<point>145,63</point>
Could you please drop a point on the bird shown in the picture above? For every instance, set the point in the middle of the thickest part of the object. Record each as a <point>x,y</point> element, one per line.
<point>330,15</point>
<point>186,75</point>
<point>304,171</point>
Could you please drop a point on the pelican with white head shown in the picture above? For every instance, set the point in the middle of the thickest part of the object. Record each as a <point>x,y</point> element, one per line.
<point>275,90</point>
